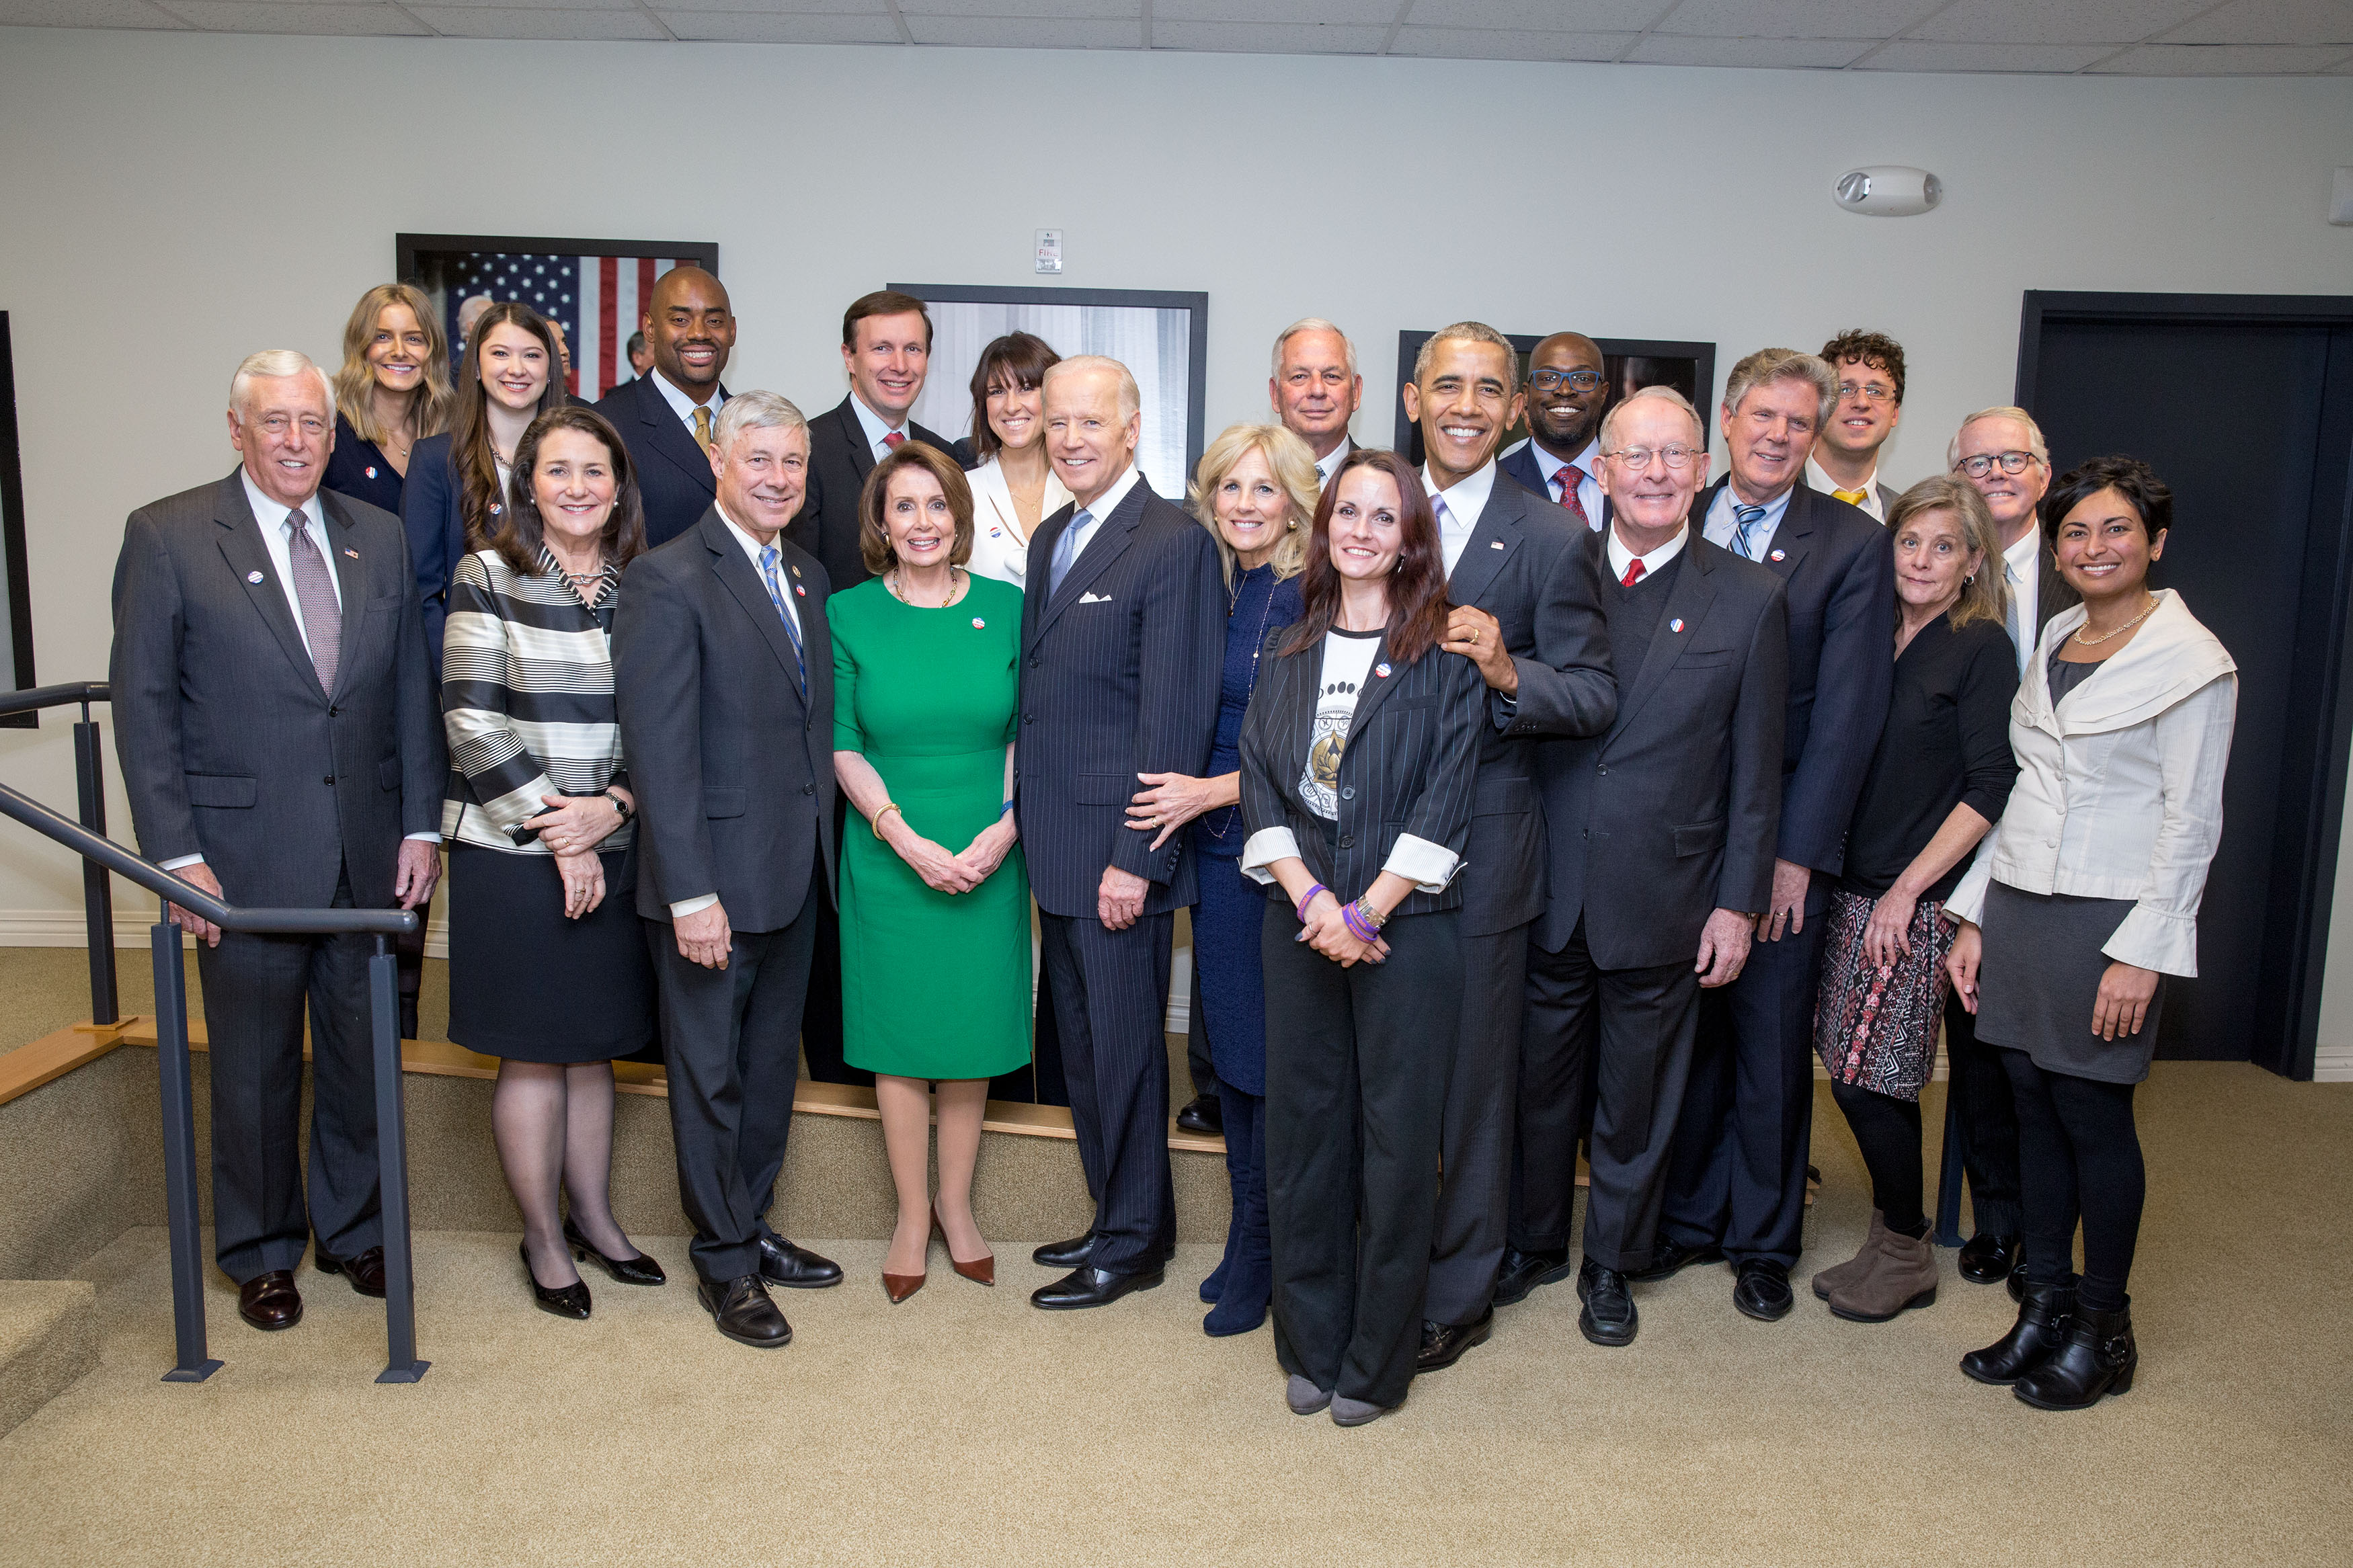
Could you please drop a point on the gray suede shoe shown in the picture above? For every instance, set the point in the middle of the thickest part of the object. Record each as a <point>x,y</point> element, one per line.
<point>1346,1412</point>
<point>1828,1279</point>
<point>1902,1273</point>
<point>1303,1397</point>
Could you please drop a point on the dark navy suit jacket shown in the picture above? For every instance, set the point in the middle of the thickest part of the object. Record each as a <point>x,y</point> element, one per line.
<point>840,460</point>
<point>429,515</point>
<point>674,479</point>
<point>1522,465</point>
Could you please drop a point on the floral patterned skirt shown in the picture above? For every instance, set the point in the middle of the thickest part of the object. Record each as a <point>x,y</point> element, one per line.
<point>1877,1025</point>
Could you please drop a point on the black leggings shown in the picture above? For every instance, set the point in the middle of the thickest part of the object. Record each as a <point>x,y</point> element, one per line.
<point>1888,1131</point>
<point>2078,1158</point>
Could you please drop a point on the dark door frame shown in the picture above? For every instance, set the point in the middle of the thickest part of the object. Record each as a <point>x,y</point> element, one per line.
<point>2322,813</point>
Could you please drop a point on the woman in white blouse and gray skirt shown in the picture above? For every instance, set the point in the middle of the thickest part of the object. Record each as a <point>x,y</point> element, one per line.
<point>548,964</point>
<point>2085,899</point>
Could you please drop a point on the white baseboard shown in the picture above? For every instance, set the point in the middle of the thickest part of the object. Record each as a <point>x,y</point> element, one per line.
<point>64,928</point>
<point>2333,1064</point>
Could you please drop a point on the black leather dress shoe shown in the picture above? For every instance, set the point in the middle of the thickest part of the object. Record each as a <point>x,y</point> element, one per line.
<point>1204,1115</point>
<point>743,1312</point>
<point>1522,1272</point>
<point>795,1267</point>
<point>1070,1254</point>
<point>270,1302</point>
<point>1762,1291</point>
<point>1987,1260</point>
<point>638,1270</point>
<point>1442,1344</point>
<point>364,1269</point>
<point>1092,1288</point>
<point>1609,1317</point>
<point>1672,1259</point>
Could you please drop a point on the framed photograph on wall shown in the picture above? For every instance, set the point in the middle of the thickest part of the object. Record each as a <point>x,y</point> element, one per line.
<point>1631,365</point>
<point>16,601</point>
<point>593,289</point>
<point>1162,337</point>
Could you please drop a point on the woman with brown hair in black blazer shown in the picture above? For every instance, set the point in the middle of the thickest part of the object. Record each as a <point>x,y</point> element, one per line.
<point>1356,761</point>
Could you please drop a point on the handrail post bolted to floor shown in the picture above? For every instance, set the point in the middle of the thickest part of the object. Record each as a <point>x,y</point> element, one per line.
<point>1951,1168</point>
<point>97,887</point>
<point>392,1153</point>
<point>179,1158</point>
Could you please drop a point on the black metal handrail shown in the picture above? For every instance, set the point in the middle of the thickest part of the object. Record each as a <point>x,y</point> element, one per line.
<point>100,855</point>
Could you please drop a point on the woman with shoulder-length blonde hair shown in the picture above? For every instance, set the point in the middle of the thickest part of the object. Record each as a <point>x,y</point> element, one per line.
<point>1938,782</point>
<point>393,392</point>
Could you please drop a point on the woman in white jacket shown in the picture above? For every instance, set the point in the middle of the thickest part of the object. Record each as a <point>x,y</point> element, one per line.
<point>2085,898</point>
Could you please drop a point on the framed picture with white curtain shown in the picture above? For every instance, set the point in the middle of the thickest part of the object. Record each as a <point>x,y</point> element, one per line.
<point>1162,337</point>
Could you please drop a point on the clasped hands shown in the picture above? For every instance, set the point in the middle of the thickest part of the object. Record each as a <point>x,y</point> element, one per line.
<point>571,826</point>
<point>1327,931</point>
<point>960,872</point>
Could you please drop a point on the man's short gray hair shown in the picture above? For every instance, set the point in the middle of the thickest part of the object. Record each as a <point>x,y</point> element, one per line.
<point>1467,333</point>
<point>1768,365</point>
<point>755,411</point>
<point>1312,324</point>
<point>2034,441</point>
<point>273,364</point>
<point>1131,401</point>
<point>1651,395</point>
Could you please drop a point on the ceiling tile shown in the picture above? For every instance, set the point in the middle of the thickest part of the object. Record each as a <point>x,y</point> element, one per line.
<point>529,4</point>
<point>83,14</point>
<point>2042,22</point>
<point>1025,33</point>
<point>1503,44</point>
<point>767,8</point>
<point>2270,22</point>
<point>1796,18</point>
<point>2226,59</point>
<point>1540,16</point>
<point>1907,56</point>
<point>1359,12</point>
<point>1097,9</point>
<point>316,20</point>
<point>769,27</point>
<point>1250,38</point>
<point>1753,54</point>
<point>530,22</point>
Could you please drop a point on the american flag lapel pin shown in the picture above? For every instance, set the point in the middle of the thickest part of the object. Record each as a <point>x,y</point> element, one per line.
<point>1676,625</point>
<point>1494,544</point>
<point>353,554</point>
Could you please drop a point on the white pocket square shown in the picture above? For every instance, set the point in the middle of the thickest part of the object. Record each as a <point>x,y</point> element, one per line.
<point>1094,598</point>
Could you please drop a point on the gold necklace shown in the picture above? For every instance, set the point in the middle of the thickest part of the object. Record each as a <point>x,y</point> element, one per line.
<point>892,582</point>
<point>2103,636</point>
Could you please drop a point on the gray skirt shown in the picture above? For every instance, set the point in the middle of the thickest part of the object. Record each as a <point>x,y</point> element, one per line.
<point>2039,977</point>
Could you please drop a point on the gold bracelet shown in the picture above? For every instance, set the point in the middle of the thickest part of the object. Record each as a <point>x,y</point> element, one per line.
<point>887,807</point>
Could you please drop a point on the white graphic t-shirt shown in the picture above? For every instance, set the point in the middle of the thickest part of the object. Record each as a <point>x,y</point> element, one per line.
<point>1347,664</point>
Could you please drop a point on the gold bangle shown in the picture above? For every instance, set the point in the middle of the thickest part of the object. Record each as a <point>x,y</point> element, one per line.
<point>887,807</point>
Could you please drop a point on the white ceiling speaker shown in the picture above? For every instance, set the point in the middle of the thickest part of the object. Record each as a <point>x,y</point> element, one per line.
<point>1888,190</point>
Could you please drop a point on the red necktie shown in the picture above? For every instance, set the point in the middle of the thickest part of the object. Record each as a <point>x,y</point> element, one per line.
<point>893,439</point>
<point>1633,573</point>
<point>1569,476</point>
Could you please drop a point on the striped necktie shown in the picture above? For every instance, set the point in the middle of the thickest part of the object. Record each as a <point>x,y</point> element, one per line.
<point>768,557</point>
<point>1748,518</point>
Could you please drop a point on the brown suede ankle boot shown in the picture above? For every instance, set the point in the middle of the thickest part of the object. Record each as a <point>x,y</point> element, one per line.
<point>1828,1279</point>
<point>1902,1273</point>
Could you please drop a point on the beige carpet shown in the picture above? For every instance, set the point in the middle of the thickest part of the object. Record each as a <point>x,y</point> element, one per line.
<point>964,1427</point>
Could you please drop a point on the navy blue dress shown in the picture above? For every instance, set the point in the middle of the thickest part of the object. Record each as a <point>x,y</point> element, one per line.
<point>1226,922</point>
<point>358,469</point>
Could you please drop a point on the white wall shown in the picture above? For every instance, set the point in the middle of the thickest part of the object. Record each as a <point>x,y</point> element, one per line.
<point>169,203</point>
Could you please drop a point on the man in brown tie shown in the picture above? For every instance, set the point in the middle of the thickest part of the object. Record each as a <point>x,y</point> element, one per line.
<point>1560,460</point>
<point>1845,463</point>
<point>665,414</point>
<point>281,739</point>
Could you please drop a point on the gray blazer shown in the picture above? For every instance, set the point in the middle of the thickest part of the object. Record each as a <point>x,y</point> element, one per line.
<point>733,767</point>
<point>229,748</point>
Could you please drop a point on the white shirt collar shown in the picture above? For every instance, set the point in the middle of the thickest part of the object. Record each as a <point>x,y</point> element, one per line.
<point>1621,558</point>
<point>750,543</point>
<point>1326,465</point>
<point>1103,505</point>
<point>1587,461</point>
<point>680,402</point>
<point>271,512</point>
<point>1467,500</point>
<point>1818,479</point>
<point>871,423</point>
<point>2020,556</point>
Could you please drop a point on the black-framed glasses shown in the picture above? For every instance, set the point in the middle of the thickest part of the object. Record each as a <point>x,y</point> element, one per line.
<point>1637,459</point>
<point>1978,467</point>
<point>1565,380</point>
<point>1868,394</point>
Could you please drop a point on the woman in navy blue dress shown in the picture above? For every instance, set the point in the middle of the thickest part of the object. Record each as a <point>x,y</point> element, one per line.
<point>393,392</point>
<point>1255,492</point>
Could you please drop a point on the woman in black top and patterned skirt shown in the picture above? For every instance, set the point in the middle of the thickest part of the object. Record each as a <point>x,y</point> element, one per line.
<point>548,964</point>
<point>1938,782</point>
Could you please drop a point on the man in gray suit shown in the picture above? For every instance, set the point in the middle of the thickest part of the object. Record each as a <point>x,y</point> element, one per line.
<point>280,738</point>
<point>723,669</point>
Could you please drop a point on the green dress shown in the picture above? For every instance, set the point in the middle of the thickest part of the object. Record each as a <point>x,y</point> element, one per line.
<point>934,985</point>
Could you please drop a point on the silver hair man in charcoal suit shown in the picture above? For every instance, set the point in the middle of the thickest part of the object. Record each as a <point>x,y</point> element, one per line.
<point>280,742</point>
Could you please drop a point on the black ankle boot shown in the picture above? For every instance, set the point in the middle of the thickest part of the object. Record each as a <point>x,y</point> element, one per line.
<point>2098,1358</point>
<point>2041,1332</point>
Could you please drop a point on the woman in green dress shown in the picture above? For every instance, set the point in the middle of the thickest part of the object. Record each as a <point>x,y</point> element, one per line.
<point>935,904</point>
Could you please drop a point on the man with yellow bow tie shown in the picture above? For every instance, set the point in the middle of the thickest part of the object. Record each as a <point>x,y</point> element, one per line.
<point>1845,463</point>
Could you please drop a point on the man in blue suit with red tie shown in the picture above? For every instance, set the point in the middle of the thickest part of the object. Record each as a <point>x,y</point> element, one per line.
<point>1567,390</point>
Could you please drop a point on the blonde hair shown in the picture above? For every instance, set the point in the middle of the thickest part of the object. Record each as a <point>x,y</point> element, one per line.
<point>1983,595</point>
<point>430,404</point>
<point>1294,467</point>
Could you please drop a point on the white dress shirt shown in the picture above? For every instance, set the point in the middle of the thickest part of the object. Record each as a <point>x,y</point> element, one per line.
<point>1588,489</point>
<point>877,432</point>
<point>1464,502</point>
<point>681,405</point>
<point>1818,480</point>
<point>1103,506</point>
<point>1723,528</point>
<point>2022,570</point>
<point>1620,558</point>
<point>1329,464</point>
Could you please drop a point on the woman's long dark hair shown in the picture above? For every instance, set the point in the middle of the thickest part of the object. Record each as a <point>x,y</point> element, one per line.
<point>470,454</point>
<point>1417,584</point>
<point>517,532</point>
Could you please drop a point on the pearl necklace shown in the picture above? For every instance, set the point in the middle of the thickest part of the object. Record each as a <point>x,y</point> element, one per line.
<point>2103,636</point>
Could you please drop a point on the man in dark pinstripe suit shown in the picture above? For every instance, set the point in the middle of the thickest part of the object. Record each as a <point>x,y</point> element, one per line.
<point>1122,633</point>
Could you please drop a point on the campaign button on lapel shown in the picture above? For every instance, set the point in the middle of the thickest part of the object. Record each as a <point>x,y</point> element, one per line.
<point>254,578</point>
<point>1780,555</point>
<point>1676,625</point>
<point>1382,670</point>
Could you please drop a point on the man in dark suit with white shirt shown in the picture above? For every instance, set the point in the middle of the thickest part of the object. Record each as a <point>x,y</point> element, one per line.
<point>1660,853</point>
<point>1122,634</point>
<point>1738,1190</point>
<point>1507,554</point>
<point>1567,390</point>
<point>723,671</point>
<point>280,731</point>
<point>665,416</point>
<point>1316,390</point>
<point>1845,462</point>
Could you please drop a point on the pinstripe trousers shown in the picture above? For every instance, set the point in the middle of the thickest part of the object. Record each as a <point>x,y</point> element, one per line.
<point>1110,994</point>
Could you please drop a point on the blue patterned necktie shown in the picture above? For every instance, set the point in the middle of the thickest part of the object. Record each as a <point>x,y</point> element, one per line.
<point>1749,517</point>
<point>769,558</point>
<point>1066,550</point>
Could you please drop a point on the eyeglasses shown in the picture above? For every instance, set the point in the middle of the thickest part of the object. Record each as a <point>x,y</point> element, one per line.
<point>275,425</point>
<point>1637,459</point>
<point>1980,466</point>
<point>1573,380</point>
<point>1868,394</point>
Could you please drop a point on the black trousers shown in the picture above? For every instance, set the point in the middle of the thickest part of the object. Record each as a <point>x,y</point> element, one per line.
<point>822,1013</point>
<point>1988,1120</point>
<point>1356,1066</point>
<point>1738,1180</point>
<point>2079,1152</point>
<point>1040,1081</point>
<point>1630,1031</point>
<point>256,989</point>
<point>1474,1195</point>
<point>1110,990</point>
<point>1887,1130</point>
<point>731,1047</point>
<point>1198,1065</point>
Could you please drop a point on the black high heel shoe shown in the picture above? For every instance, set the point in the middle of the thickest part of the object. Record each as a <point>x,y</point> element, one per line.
<point>638,1270</point>
<point>570,1302</point>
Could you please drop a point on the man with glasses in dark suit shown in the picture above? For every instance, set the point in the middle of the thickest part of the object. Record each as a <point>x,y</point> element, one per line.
<point>1561,459</point>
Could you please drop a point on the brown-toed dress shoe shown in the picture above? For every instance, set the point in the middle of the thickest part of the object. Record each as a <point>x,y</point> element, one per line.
<point>364,1269</point>
<point>270,1301</point>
